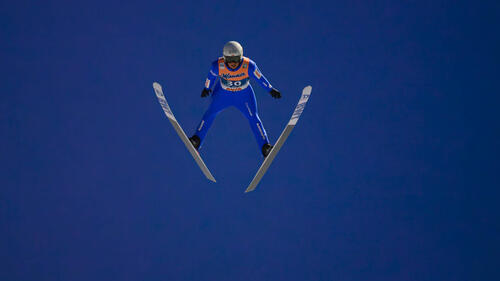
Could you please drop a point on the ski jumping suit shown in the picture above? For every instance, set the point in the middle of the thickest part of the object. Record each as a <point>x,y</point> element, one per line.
<point>235,90</point>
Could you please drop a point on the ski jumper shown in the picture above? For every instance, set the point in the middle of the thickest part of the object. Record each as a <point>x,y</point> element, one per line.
<point>234,89</point>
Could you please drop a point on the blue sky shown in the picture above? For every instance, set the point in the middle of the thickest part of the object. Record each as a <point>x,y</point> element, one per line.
<point>390,174</point>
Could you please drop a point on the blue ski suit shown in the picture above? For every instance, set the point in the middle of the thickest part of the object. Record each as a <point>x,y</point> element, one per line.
<point>234,89</point>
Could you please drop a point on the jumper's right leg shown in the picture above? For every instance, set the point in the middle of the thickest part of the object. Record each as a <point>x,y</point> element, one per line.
<point>218,104</point>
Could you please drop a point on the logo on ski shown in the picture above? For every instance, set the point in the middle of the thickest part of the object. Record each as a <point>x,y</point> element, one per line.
<point>298,110</point>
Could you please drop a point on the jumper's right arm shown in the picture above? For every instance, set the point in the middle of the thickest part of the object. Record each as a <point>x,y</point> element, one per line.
<point>212,76</point>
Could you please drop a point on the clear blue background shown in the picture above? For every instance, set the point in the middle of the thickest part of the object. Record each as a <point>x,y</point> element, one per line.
<point>390,174</point>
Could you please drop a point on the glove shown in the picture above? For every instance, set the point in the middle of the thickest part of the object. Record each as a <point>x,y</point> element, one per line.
<point>206,92</point>
<point>275,93</point>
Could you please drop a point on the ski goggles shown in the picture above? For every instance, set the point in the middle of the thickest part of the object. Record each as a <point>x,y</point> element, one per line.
<point>235,59</point>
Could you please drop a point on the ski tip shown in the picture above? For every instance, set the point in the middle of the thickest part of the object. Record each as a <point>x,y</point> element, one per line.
<point>156,85</point>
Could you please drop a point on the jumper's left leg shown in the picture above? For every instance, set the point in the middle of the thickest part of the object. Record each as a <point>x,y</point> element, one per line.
<point>248,106</point>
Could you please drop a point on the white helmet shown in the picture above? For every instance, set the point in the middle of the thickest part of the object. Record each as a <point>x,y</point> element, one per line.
<point>232,49</point>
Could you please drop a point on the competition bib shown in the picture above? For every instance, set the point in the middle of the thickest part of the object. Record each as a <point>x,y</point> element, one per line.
<point>234,80</point>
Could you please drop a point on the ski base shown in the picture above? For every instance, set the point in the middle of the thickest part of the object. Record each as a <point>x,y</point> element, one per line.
<point>306,93</point>
<point>180,131</point>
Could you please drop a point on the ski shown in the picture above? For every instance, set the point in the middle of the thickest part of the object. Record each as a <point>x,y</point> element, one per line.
<point>306,93</point>
<point>180,132</point>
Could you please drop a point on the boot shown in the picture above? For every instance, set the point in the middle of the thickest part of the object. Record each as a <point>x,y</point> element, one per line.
<point>195,141</point>
<point>266,148</point>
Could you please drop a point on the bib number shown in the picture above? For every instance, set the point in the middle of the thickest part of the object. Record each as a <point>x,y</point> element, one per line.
<point>233,83</point>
